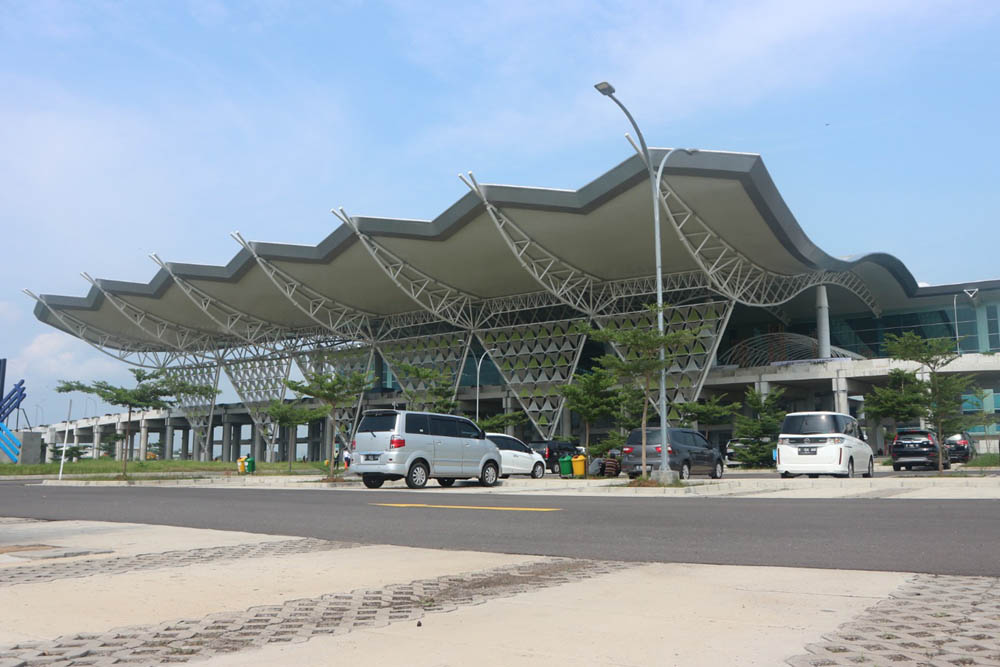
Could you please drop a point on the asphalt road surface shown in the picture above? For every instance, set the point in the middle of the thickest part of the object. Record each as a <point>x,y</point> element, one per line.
<point>932,536</point>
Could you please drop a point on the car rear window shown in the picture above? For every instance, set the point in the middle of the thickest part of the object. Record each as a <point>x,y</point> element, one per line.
<point>382,421</point>
<point>652,437</point>
<point>808,424</point>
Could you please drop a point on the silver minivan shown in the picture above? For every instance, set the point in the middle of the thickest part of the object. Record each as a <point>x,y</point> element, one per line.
<point>398,444</point>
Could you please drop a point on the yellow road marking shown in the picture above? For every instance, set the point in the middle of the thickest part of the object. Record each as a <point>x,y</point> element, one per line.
<point>473,507</point>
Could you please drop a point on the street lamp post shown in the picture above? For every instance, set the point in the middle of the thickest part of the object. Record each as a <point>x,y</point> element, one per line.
<point>479,366</point>
<point>608,90</point>
<point>971,293</point>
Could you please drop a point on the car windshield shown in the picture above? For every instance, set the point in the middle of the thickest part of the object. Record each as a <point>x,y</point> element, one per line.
<point>808,424</point>
<point>383,421</point>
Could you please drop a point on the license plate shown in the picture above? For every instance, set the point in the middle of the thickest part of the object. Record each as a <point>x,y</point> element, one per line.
<point>648,468</point>
<point>371,457</point>
<point>807,450</point>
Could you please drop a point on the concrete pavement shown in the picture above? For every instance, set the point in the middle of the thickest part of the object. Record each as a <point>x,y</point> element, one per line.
<point>153,594</point>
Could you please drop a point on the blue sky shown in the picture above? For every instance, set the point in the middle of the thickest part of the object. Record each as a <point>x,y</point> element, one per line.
<point>135,127</point>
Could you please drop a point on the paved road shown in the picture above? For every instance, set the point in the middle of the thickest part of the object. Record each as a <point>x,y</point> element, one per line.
<point>942,537</point>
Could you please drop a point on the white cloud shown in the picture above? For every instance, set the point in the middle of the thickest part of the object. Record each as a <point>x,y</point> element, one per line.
<point>53,356</point>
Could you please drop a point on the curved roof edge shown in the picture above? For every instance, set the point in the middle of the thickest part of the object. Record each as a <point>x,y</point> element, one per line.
<point>747,168</point>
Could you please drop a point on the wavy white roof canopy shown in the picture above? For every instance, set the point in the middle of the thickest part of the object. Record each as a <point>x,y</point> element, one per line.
<point>603,230</point>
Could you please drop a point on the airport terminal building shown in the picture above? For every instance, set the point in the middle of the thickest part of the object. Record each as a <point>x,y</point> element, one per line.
<point>494,289</point>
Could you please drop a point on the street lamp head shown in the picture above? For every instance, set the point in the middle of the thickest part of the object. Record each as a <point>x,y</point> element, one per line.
<point>605,88</point>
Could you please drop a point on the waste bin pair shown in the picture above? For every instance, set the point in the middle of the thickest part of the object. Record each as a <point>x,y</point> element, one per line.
<point>572,466</point>
<point>246,464</point>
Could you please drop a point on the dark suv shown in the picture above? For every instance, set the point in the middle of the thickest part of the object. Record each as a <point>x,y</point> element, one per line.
<point>552,451</point>
<point>960,448</point>
<point>687,452</point>
<point>916,447</point>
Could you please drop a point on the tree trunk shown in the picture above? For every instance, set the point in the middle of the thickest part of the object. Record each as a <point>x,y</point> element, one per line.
<point>586,439</point>
<point>127,445</point>
<point>645,408</point>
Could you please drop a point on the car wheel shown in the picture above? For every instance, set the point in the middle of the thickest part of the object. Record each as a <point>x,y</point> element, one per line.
<point>555,468</point>
<point>538,471</point>
<point>850,469</point>
<point>489,476</point>
<point>813,476</point>
<point>908,467</point>
<point>372,482</point>
<point>947,466</point>
<point>871,468</point>
<point>685,470</point>
<point>717,471</point>
<point>417,477</point>
<point>896,467</point>
<point>446,481</point>
<point>632,475</point>
<point>787,475</point>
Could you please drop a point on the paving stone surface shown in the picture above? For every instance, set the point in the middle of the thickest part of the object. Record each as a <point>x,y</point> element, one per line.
<point>33,574</point>
<point>932,621</point>
<point>185,640</point>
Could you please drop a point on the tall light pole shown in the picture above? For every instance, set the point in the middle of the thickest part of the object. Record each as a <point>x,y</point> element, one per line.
<point>479,366</point>
<point>608,90</point>
<point>971,293</point>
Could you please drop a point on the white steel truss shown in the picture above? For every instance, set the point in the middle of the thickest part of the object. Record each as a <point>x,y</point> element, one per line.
<point>446,352</point>
<point>341,320</point>
<point>571,285</point>
<point>258,382</point>
<point>117,347</point>
<point>446,302</point>
<point>238,323</point>
<point>176,336</point>
<point>357,358</point>
<point>733,274</point>
<point>535,361</point>
<point>686,376</point>
<point>196,409</point>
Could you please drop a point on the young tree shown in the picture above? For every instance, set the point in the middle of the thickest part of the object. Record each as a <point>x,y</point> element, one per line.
<point>759,431</point>
<point>501,421</point>
<point>337,391</point>
<point>438,393</point>
<point>592,396</point>
<point>982,417</point>
<point>709,411</point>
<point>903,399</point>
<point>944,391</point>
<point>153,390</point>
<point>290,415</point>
<point>641,366</point>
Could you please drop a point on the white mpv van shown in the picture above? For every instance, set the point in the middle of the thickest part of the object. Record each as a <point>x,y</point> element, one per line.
<point>822,443</point>
<point>398,444</point>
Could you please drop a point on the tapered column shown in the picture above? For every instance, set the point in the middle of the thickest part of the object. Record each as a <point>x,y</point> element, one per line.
<point>168,439</point>
<point>186,443</point>
<point>96,442</point>
<point>227,438</point>
<point>822,322</point>
<point>120,443</point>
<point>143,439</point>
<point>258,442</point>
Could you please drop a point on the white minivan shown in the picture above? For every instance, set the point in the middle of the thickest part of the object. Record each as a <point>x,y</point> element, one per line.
<point>417,446</point>
<point>822,443</point>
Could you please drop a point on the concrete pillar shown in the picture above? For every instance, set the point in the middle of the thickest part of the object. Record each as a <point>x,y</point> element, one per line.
<point>508,402</point>
<point>823,322</point>
<point>143,439</point>
<point>566,424</point>
<point>328,448</point>
<point>840,402</point>
<point>76,437</point>
<point>185,443</point>
<point>227,438</point>
<point>763,387</point>
<point>168,439</point>
<point>257,442</point>
<point>96,446</point>
<point>119,441</point>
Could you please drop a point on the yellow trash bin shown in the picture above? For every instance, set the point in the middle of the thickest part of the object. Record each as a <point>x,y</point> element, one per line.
<point>241,465</point>
<point>579,466</point>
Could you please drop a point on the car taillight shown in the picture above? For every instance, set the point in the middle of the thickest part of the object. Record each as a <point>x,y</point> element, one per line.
<point>627,450</point>
<point>396,442</point>
<point>895,440</point>
<point>659,450</point>
<point>546,452</point>
<point>964,443</point>
<point>354,445</point>
<point>670,450</point>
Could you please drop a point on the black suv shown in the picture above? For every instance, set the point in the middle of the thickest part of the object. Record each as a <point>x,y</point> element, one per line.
<point>552,451</point>
<point>960,447</point>
<point>687,452</point>
<point>916,447</point>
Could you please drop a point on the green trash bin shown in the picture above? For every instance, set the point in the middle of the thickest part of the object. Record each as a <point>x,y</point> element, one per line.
<point>251,465</point>
<point>566,466</point>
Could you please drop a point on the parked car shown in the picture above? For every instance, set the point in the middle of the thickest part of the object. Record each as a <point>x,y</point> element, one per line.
<point>917,447</point>
<point>417,446</point>
<point>822,443</point>
<point>961,447</point>
<point>552,451</point>
<point>688,452</point>
<point>732,449</point>
<point>516,458</point>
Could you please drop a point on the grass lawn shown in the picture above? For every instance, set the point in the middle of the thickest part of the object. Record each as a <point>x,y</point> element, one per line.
<point>112,467</point>
<point>984,461</point>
